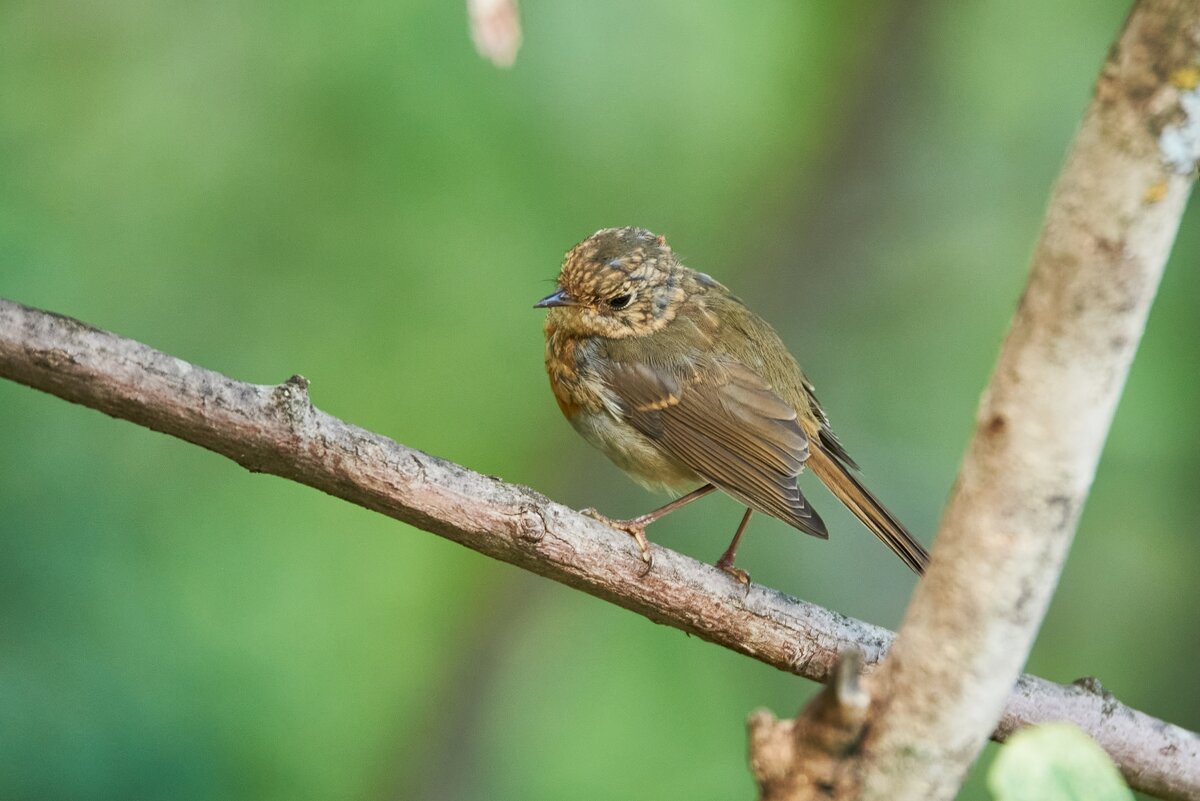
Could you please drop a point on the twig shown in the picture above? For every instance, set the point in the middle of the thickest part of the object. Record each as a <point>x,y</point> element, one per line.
<point>275,429</point>
<point>803,759</point>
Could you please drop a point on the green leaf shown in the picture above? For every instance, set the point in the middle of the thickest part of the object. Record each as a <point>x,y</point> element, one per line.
<point>1055,762</point>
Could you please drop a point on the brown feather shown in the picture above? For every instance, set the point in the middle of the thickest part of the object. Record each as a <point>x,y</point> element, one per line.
<point>730,428</point>
<point>867,508</point>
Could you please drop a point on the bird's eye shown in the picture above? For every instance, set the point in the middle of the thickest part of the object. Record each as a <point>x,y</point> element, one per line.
<point>620,302</point>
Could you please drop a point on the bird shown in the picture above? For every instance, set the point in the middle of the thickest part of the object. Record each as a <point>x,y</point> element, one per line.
<point>679,383</point>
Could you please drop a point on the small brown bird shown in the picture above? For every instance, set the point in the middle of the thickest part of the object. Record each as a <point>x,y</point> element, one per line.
<point>678,383</point>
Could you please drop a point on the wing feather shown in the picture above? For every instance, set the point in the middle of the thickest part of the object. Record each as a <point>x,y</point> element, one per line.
<point>727,424</point>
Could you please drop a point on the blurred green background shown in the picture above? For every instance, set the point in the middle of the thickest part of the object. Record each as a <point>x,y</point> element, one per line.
<point>349,192</point>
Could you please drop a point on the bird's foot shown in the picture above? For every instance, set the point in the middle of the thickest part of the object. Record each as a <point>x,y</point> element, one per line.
<point>725,565</point>
<point>634,527</point>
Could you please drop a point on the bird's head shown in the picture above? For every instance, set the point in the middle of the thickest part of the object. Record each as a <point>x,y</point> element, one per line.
<point>618,282</point>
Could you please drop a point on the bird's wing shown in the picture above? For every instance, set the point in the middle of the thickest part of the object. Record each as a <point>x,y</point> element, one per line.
<point>726,423</point>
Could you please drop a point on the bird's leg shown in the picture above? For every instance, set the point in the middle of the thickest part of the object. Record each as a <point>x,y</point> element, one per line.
<point>636,526</point>
<point>726,561</point>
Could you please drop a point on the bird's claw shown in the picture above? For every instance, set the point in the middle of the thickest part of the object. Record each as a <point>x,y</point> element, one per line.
<point>739,575</point>
<point>633,528</point>
<point>736,573</point>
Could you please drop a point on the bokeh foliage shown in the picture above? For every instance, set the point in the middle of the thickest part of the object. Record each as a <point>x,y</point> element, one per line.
<point>1055,762</point>
<point>347,191</point>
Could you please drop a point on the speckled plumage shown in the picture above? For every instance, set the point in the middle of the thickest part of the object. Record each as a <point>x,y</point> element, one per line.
<point>670,375</point>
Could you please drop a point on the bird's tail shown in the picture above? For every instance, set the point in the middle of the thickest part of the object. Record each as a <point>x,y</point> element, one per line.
<point>867,508</point>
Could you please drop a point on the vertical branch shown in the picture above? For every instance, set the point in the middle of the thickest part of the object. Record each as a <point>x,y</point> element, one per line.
<point>1045,415</point>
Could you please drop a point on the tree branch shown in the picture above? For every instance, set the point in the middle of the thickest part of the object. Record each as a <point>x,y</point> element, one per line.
<point>1045,414</point>
<point>804,759</point>
<point>275,429</point>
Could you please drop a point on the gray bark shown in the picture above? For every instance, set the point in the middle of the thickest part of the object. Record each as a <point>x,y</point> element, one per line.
<point>1044,416</point>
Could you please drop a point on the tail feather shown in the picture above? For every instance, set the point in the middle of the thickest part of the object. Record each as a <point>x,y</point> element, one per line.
<point>874,515</point>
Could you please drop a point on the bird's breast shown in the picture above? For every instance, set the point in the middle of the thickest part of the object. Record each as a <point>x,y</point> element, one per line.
<point>570,364</point>
<point>633,452</point>
<point>574,366</point>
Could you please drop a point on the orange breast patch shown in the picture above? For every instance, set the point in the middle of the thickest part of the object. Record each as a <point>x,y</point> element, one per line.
<point>564,381</point>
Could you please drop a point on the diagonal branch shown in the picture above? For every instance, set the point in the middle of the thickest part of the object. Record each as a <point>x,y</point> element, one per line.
<point>275,429</point>
<point>1045,414</point>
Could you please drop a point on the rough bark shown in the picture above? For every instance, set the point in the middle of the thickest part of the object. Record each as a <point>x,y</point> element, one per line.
<point>1045,414</point>
<point>804,759</point>
<point>275,429</point>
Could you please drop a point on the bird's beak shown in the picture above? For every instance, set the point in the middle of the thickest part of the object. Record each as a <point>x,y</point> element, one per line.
<point>559,298</point>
